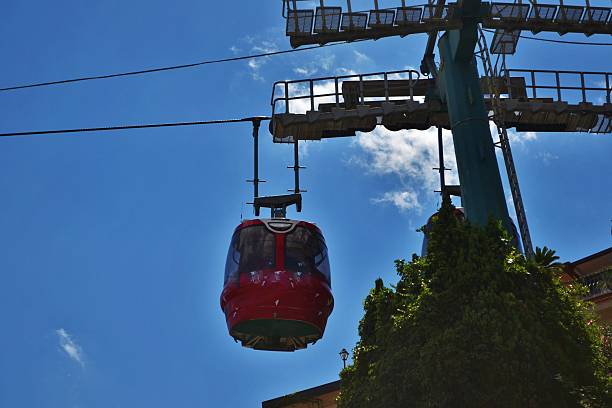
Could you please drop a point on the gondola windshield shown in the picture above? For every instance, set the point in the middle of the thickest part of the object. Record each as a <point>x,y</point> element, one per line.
<point>252,248</point>
<point>306,253</point>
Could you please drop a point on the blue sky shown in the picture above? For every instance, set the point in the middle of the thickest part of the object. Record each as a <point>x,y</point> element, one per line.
<point>114,243</point>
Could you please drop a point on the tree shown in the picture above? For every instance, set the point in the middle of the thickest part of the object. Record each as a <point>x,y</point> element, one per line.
<point>475,324</point>
<point>546,257</point>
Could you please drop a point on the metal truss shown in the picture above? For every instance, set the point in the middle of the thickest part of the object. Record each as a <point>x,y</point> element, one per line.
<point>504,141</point>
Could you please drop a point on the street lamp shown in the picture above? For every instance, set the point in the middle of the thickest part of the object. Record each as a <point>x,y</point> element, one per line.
<point>344,355</point>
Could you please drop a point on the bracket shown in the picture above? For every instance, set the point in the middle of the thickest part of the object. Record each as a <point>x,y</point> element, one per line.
<point>277,204</point>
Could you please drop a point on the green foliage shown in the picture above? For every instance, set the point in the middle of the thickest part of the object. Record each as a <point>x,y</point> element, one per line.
<point>545,257</point>
<point>475,324</point>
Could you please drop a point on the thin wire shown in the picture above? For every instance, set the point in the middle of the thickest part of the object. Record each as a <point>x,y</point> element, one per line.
<point>555,41</point>
<point>169,68</point>
<point>126,127</point>
<point>240,58</point>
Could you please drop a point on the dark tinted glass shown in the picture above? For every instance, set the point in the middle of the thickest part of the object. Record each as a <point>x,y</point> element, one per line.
<point>305,251</point>
<point>252,248</point>
<point>233,257</point>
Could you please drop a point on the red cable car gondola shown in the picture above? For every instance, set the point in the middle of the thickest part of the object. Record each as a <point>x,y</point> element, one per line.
<point>277,288</point>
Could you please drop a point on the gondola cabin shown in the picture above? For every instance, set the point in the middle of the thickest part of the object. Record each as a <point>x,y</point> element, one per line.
<point>277,288</point>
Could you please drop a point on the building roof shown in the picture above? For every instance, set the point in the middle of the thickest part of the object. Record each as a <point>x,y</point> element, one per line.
<point>302,396</point>
<point>590,265</point>
<point>593,256</point>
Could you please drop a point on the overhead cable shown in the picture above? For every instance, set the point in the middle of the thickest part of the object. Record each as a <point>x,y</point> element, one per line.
<point>238,58</point>
<point>127,127</point>
<point>168,68</point>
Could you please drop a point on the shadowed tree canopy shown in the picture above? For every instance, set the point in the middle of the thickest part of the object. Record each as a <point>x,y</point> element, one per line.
<point>475,324</point>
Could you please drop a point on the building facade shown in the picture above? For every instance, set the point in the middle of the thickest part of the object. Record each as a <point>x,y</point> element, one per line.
<point>323,396</point>
<point>595,272</point>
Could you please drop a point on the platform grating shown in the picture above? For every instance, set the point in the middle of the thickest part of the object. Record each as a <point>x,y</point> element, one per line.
<point>429,12</point>
<point>329,24</point>
<point>327,19</point>
<point>569,14</point>
<point>596,15</point>
<point>504,42</point>
<point>543,12</point>
<point>381,18</point>
<point>514,12</point>
<point>299,22</point>
<point>603,125</point>
<point>408,15</point>
<point>354,21</point>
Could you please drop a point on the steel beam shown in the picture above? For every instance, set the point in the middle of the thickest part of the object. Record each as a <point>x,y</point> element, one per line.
<point>459,85</point>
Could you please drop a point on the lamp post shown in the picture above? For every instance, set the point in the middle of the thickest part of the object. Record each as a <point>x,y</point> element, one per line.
<point>344,355</point>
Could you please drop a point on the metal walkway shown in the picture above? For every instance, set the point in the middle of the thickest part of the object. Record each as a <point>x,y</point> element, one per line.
<point>327,24</point>
<point>530,100</point>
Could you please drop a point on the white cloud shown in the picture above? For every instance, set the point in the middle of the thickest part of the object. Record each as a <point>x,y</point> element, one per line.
<point>521,137</point>
<point>361,58</point>
<point>249,39</point>
<point>255,64</point>
<point>546,157</point>
<point>304,147</point>
<point>516,138</point>
<point>305,71</point>
<point>345,71</point>
<point>302,105</point>
<point>322,64</point>
<point>70,347</point>
<point>234,49</point>
<point>410,155</point>
<point>265,47</point>
<point>404,200</point>
<point>326,62</point>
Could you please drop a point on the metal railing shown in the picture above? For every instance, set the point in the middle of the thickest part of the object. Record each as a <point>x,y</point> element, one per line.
<point>598,284</point>
<point>332,19</point>
<point>565,86</point>
<point>307,94</point>
<point>328,18</point>
<point>549,12</point>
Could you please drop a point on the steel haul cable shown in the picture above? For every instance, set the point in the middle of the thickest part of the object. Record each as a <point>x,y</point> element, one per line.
<point>127,127</point>
<point>168,68</point>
